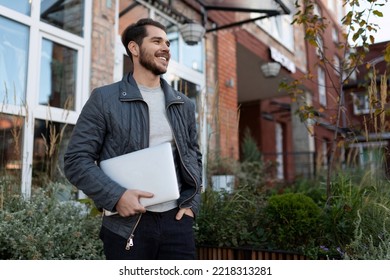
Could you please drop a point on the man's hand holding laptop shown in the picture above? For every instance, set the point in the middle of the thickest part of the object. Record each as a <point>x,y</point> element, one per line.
<point>129,203</point>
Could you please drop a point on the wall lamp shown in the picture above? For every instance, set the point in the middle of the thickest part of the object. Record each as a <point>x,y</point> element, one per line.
<point>192,33</point>
<point>270,69</point>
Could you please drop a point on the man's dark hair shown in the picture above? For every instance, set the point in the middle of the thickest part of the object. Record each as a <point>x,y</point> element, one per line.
<point>137,32</point>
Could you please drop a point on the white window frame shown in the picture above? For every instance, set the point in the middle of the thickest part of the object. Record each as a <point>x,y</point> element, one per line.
<point>57,114</point>
<point>39,30</point>
<point>361,106</point>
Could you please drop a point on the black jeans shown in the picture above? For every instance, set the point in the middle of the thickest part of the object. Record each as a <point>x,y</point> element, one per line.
<point>157,236</point>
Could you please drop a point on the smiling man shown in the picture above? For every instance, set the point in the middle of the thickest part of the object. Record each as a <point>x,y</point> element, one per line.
<point>138,112</point>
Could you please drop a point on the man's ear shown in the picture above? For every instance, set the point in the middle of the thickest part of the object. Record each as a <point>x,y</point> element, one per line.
<point>133,48</point>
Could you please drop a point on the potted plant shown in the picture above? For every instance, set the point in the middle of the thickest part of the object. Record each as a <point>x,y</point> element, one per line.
<point>222,173</point>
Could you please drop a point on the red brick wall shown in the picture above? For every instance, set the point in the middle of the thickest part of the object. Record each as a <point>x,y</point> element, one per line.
<point>103,43</point>
<point>227,110</point>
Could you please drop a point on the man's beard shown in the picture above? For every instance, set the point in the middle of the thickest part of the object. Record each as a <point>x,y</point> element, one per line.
<point>147,61</point>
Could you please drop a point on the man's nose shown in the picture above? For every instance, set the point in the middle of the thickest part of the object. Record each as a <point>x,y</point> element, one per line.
<point>166,47</point>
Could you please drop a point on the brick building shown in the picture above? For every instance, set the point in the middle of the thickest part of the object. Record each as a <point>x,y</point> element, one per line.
<point>54,52</point>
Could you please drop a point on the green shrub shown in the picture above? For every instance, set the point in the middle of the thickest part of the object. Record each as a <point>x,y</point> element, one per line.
<point>371,236</point>
<point>230,219</point>
<point>292,222</point>
<point>368,247</point>
<point>45,228</point>
<point>313,188</point>
<point>354,223</point>
<point>350,196</point>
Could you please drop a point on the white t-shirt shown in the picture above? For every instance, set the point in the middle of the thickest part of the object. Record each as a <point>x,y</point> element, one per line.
<point>160,130</point>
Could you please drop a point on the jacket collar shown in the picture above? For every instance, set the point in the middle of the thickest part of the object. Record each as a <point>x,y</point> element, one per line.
<point>129,91</point>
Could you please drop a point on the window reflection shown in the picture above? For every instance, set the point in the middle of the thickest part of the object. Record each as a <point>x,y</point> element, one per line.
<point>21,6</point>
<point>191,90</point>
<point>58,75</point>
<point>193,56</point>
<point>174,46</point>
<point>50,142</point>
<point>65,14</point>
<point>11,134</point>
<point>188,88</point>
<point>13,61</point>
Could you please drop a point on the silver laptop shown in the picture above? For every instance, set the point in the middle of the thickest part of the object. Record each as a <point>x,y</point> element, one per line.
<point>151,169</point>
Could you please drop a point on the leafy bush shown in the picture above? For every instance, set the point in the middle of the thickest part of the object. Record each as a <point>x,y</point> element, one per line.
<point>292,221</point>
<point>313,188</point>
<point>46,228</point>
<point>230,219</point>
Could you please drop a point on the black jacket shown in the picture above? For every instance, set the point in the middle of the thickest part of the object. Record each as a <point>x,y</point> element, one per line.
<point>115,121</point>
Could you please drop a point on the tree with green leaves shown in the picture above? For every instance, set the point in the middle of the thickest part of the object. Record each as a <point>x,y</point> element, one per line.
<point>358,34</point>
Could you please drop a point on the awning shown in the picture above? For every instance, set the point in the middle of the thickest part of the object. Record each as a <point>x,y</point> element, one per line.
<point>263,6</point>
<point>266,8</point>
<point>193,32</point>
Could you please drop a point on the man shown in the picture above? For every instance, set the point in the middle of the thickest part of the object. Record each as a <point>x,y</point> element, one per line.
<point>140,111</point>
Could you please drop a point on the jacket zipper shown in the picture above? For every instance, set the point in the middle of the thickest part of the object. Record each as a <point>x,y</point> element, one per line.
<point>181,159</point>
<point>130,242</point>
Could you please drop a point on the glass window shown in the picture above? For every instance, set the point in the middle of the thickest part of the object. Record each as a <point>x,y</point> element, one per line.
<point>65,14</point>
<point>279,28</point>
<point>337,66</point>
<point>21,6</point>
<point>14,39</point>
<point>320,47</point>
<point>279,150</point>
<point>58,76</point>
<point>189,89</point>
<point>11,135</point>
<point>335,35</point>
<point>321,86</point>
<point>50,142</point>
<point>361,103</point>
<point>193,56</point>
<point>174,46</point>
